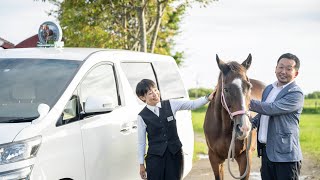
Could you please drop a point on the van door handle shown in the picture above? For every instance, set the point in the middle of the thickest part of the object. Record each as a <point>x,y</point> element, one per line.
<point>134,124</point>
<point>125,127</point>
<point>124,130</point>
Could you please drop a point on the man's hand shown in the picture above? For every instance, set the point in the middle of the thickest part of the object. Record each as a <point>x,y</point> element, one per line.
<point>143,173</point>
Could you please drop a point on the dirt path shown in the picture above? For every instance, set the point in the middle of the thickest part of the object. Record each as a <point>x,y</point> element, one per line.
<point>201,169</point>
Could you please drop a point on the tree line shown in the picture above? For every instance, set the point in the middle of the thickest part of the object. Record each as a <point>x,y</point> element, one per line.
<point>313,95</point>
<point>198,92</point>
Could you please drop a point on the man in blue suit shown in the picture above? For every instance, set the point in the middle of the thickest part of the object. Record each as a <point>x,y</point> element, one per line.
<point>277,122</point>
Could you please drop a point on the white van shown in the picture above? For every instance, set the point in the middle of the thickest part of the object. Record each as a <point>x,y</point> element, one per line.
<point>71,113</point>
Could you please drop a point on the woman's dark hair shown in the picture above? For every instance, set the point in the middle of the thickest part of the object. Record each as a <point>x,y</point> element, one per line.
<point>144,86</point>
<point>292,57</point>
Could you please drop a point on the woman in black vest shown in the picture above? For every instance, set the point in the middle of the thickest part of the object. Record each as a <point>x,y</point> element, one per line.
<point>164,160</point>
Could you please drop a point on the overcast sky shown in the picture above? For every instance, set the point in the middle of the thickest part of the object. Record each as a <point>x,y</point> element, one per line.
<point>230,28</point>
<point>265,28</point>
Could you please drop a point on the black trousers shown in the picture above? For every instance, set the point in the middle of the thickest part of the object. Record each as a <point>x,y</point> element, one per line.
<point>279,170</point>
<point>166,167</point>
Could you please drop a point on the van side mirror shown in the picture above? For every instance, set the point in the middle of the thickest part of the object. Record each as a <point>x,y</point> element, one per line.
<point>43,110</point>
<point>96,104</point>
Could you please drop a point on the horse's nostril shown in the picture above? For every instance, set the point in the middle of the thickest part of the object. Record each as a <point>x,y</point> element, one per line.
<point>238,128</point>
<point>239,133</point>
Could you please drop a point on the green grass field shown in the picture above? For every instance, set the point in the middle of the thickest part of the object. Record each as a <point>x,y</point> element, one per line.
<point>309,132</point>
<point>311,106</point>
<point>198,116</point>
<point>312,103</point>
<point>197,121</point>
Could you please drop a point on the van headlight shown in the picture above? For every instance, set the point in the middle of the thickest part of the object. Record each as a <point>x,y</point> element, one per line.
<point>17,174</point>
<point>20,150</point>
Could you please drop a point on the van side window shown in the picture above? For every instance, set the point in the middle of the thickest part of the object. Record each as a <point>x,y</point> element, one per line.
<point>169,79</point>
<point>137,71</point>
<point>71,110</point>
<point>100,81</point>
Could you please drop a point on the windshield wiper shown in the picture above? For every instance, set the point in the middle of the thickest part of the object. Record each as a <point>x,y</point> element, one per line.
<point>18,119</point>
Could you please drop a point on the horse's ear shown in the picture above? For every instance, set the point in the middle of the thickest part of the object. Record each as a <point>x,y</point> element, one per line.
<point>222,65</point>
<point>247,62</point>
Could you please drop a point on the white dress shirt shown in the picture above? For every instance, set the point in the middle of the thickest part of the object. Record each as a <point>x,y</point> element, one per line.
<point>176,105</point>
<point>264,119</point>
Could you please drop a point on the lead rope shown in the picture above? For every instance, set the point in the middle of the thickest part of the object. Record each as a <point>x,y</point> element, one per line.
<point>232,152</point>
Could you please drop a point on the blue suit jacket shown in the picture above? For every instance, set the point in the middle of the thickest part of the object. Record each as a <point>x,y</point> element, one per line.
<point>283,131</point>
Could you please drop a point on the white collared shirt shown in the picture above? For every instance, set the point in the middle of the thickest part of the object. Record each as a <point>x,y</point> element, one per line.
<point>155,109</point>
<point>176,105</point>
<point>264,119</point>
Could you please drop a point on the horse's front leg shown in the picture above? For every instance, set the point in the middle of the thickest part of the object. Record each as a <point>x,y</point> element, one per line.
<point>242,162</point>
<point>216,165</point>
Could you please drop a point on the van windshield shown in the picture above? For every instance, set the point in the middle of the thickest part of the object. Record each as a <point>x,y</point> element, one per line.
<point>26,83</point>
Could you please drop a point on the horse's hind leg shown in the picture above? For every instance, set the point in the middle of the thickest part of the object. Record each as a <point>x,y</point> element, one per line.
<point>242,162</point>
<point>216,165</point>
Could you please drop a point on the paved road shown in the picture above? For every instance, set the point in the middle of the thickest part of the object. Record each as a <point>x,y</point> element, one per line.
<point>202,170</point>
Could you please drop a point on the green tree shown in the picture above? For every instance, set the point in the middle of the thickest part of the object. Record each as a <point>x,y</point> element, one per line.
<point>198,92</point>
<point>140,25</point>
<point>313,95</point>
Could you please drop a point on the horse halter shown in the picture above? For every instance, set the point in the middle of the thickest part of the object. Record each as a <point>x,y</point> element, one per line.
<point>225,105</point>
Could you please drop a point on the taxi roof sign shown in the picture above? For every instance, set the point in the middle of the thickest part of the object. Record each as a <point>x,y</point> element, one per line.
<point>50,35</point>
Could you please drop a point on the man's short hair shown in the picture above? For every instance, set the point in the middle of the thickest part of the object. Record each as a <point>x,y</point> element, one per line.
<point>144,86</point>
<point>292,57</point>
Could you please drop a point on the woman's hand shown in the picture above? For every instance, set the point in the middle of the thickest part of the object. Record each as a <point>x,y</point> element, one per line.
<point>143,173</point>
<point>210,96</point>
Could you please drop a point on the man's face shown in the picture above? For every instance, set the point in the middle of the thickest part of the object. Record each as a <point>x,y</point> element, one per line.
<point>285,71</point>
<point>152,97</point>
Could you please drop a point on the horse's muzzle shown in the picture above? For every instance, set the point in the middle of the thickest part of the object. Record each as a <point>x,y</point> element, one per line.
<point>243,126</point>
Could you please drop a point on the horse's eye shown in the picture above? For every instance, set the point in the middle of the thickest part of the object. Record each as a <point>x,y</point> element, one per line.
<point>225,90</point>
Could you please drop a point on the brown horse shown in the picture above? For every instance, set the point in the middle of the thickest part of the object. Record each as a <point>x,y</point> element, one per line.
<point>229,110</point>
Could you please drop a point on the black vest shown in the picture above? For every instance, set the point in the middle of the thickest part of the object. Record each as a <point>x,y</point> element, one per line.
<point>162,130</point>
